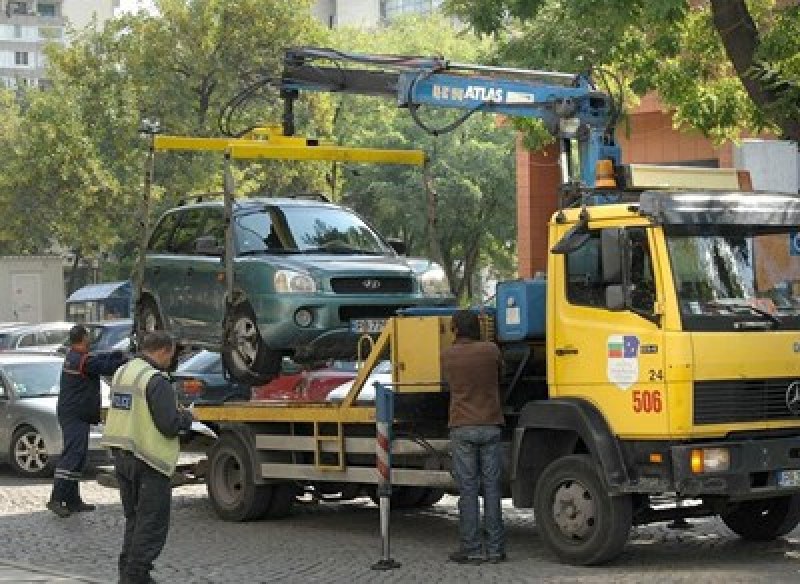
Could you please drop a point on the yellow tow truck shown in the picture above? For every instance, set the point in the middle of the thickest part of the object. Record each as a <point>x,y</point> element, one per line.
<point>657,362</point>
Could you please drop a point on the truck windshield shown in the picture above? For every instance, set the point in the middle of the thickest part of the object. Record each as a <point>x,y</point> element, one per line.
<point>294,229</point>
<point>737,281</point>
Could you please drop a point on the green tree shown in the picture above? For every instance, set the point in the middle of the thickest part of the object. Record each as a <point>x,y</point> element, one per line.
<point>76,173</point>
<point>471,168</point>
<point>725,66</point>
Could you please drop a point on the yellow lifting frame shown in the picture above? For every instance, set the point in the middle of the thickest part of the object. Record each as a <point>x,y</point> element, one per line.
<point>269,143</point>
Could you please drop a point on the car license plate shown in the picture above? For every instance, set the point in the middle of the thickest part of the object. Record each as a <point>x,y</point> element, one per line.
<point>789,478</point>
<point>367,325</point>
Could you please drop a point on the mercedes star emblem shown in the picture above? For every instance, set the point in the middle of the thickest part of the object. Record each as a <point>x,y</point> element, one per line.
<point>793,398</point>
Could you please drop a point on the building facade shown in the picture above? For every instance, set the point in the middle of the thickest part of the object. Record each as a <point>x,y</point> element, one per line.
<point>369,13</point>
<point>28,26</point>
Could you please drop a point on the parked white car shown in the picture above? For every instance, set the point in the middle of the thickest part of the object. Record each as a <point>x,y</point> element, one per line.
<point>30,436</point>
<point>382,374</point>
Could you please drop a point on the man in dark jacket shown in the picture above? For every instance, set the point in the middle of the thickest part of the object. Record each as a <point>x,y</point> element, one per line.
<point>472,369</point>
<point>78,408</point>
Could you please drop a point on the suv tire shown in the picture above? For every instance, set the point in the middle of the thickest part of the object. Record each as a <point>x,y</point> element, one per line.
<point>245,355</point>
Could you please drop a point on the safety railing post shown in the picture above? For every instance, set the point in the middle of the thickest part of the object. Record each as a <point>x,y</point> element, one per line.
<point>384,414</point>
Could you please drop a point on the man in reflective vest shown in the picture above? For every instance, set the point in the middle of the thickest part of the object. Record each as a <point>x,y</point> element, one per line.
<point>142,430</point>
<point>78,408</point>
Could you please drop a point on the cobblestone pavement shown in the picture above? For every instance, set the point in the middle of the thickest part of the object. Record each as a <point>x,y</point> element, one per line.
<point>337,542</point>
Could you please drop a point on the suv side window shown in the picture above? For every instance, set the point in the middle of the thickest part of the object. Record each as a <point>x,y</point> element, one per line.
<point>159,241</point>
<point>585,274</point>
<point>257,232</point>
<point>188,230</point>
<point>215,226</point>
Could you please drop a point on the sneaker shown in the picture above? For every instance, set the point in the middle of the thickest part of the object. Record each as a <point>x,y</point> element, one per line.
<point>81,507</point>
<point>497,558</point>
<point>59,508</point>
<point>461,557</point>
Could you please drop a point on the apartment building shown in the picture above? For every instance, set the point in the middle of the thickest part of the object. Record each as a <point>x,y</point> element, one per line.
<point>27,26</point>
<point>369,13</point>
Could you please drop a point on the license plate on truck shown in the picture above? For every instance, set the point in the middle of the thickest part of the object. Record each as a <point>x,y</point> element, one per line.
<point>789,478</point>
<point>367,325</point>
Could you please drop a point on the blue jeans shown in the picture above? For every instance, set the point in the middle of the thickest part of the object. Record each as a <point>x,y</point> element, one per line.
<point>477,457</point>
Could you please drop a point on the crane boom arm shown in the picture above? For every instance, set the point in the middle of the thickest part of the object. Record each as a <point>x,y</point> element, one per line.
<point>570,106</point>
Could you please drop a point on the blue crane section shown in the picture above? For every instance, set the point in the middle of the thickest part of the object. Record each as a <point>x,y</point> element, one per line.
<point>569,105</point>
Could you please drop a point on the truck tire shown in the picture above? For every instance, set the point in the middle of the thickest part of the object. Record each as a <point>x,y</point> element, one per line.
<point>231,485</point>
<point>764,519</point>
<point>244,353</point>
<point>577,519</point>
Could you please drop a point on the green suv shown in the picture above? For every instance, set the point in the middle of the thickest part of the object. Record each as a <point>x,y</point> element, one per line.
<point>309,277</point>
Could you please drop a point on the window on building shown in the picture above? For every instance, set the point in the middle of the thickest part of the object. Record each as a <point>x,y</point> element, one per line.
<point>393,8</point>
<point>17,31</point>
<point>21,58</point>
<point>47,9</point>
<point>17,8</point>
<point>49,33</point>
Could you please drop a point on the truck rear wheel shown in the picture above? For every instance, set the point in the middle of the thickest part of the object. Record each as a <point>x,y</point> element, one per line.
<point>764,519</point>
<point>231,485</point>
<point>577,518</point>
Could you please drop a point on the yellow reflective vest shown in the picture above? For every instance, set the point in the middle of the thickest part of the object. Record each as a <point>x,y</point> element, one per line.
<point>130,426</point>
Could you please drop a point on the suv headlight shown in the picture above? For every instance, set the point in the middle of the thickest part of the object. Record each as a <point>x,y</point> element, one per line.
<point>433,281</point>
<point>289,281</point>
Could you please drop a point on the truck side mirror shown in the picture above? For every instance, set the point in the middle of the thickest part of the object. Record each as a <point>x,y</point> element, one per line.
<point>574,239</point>
<point>398,245</point>
<point>614,250</point>
<point>615,297</point>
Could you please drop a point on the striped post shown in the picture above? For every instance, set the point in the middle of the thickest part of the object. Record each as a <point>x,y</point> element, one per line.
<point>384,414</point>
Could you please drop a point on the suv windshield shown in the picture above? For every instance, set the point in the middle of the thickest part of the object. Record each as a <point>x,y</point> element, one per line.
<point>296,229</point>
<point>727,281</point>
<point>33,379</point>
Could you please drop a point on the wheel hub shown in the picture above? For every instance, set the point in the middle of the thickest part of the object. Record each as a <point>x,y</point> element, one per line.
<point>245,341</point>
<point>574,510</point>
<point>30,453</point>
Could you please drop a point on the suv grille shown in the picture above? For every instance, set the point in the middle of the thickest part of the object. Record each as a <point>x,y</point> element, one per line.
<point>367,285</point>
<point>718,402</point>
<point>348,313</point>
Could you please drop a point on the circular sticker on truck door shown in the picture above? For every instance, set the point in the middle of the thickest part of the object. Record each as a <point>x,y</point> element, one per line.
<point>623,360</point>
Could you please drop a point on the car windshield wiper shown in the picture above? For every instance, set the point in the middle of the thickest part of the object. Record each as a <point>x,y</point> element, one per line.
<point>747,306</point>
<point>341,250</point>
<point>251,252</point>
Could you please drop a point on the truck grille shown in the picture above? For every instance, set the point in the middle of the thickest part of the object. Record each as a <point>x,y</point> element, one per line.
<point>754,400</point>
<point>366,285</point>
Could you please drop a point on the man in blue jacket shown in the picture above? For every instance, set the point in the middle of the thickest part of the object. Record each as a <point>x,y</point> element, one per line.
<point>78,408</point>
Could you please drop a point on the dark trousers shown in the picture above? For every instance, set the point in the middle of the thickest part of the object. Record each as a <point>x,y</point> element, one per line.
<point>69,469</point>
<point>146,496</point>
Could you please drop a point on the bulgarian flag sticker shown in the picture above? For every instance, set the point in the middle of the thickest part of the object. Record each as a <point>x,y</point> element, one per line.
<point>623,360</point>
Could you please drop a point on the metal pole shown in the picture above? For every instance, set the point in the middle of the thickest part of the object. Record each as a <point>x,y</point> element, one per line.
<point>384,414</point>
<point>144,225</point>
<point>229,189</point>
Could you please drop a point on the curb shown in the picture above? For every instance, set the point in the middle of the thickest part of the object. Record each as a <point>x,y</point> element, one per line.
<point>45,572</point>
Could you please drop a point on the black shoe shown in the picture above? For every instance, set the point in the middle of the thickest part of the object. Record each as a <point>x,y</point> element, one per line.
<point>497,559</point>
<point>59,508</point>
<point>460,557</point>
<point>81,507</point>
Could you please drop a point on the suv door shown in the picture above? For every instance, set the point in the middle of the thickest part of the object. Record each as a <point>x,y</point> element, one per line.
<point>205,281</point>
<point>163,276</point>
<point>182,246</point>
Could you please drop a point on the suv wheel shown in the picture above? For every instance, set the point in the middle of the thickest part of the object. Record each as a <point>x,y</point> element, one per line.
<point>244,353</point>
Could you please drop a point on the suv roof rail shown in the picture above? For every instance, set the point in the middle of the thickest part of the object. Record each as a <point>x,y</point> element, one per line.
<point>199,198</point>
<point>309,196</point>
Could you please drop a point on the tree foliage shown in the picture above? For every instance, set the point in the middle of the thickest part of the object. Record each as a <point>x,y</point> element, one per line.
<point>726,67</point>
<point>471,169</point>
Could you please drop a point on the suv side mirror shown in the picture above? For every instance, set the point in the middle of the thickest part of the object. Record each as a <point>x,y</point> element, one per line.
<point>398,245</point>
<point>207,245</point>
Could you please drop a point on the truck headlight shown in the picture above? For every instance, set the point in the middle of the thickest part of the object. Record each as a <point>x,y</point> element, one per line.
<point>290,281</point>
<point>710,460</point>
<point>433,281</point>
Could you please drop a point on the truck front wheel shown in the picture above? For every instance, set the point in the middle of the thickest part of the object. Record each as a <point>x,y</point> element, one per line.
<point>577,518</point>
<point>764,519</point>
<point>234,494</point>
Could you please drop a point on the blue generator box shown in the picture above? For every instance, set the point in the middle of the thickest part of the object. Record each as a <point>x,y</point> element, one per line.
<point>521,309</point>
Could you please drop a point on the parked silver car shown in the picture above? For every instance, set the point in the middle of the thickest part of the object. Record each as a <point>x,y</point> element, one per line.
<point>47,336</point>
<point>30,437</point>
